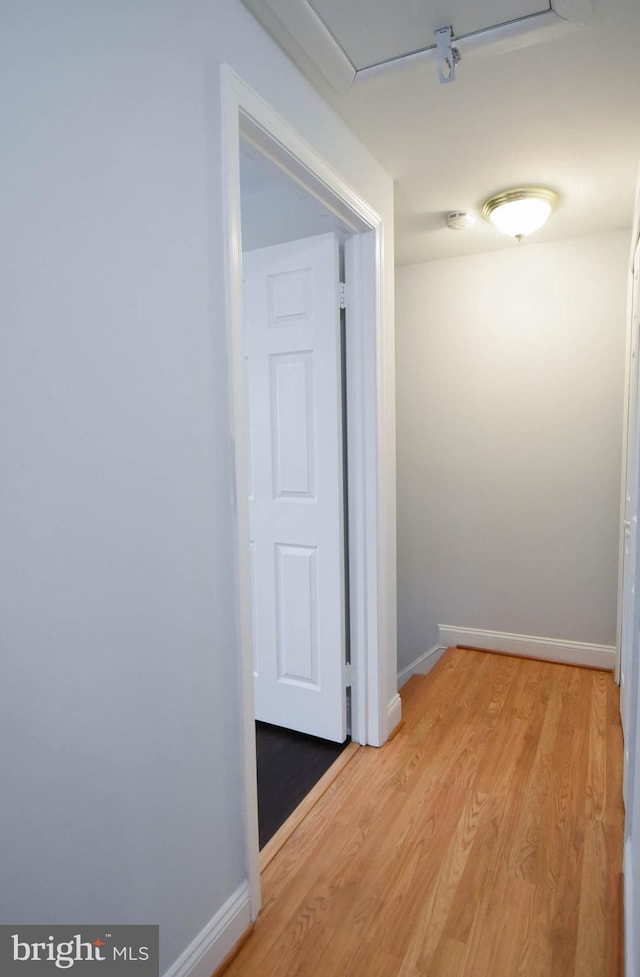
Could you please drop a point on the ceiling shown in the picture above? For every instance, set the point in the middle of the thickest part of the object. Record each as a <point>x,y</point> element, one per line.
<point>550,101</point>
<point>404,26</point>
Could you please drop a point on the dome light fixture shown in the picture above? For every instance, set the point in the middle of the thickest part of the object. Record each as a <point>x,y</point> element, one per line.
<point>521,211</point>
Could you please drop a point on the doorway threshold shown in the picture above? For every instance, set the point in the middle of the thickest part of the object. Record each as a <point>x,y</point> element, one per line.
<point>296,818</point>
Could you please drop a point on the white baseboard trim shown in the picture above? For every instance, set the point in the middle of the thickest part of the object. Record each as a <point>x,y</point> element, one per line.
<point>394,713</point>
<point>550,649</point>
<point>422,665</point>
<point>630,924</point>
<point>217,939</point>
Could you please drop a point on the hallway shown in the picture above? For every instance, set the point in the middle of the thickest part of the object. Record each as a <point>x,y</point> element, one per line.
<point>485,838</point>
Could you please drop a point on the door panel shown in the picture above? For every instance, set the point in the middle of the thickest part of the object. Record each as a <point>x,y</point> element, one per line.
<point>298,614</point>
<point>292,352</point>
<point>293,419</point>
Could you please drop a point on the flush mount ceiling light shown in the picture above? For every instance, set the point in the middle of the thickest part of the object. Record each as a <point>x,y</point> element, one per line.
<point>521,211</point>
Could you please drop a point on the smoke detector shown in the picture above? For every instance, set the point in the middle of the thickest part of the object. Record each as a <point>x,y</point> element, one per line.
<point>459,220</point>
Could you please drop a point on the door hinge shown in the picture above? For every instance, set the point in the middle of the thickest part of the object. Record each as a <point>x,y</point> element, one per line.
<point>349,675</point>
<point>342,295</point>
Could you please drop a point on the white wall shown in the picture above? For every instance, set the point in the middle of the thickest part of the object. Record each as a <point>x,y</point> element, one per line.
<point>510,381</point>
<point>276,210</point>
<point>121,768</point>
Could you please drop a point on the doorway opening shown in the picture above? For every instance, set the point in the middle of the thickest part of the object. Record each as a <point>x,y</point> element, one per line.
<point>295,372</point>
<point>247,120</point>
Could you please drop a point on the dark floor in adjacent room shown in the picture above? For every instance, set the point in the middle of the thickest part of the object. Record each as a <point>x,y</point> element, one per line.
<point>289,765</point>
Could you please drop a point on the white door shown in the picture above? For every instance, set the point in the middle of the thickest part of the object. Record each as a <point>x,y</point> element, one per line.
<point>294,388</point>
<point>628,644</point>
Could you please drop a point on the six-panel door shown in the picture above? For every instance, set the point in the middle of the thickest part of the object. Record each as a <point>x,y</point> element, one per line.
<point>293,383</point>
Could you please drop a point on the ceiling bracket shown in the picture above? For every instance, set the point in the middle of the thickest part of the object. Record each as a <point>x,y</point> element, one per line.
<point>448,57</point>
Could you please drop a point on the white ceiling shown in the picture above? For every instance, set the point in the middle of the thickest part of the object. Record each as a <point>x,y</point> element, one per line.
<point>371,33</point>
<point>557,108</point>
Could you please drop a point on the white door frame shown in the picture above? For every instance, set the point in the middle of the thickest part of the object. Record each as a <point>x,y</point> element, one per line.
<point>627,424</point>
<point>624,593</point>
<point>628,644</point>
<point>245,115</point>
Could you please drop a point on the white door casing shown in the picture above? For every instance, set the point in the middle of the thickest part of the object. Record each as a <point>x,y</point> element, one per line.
<point>629,612</point>
<point>370,431</point>
<point>629,609</point>
<point>294,408</point>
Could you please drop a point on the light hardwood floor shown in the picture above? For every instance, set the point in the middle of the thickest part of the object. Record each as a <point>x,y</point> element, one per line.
<point>485,840</point>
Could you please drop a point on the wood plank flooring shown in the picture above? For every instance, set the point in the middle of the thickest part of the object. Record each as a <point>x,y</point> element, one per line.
<point>485,840</point>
